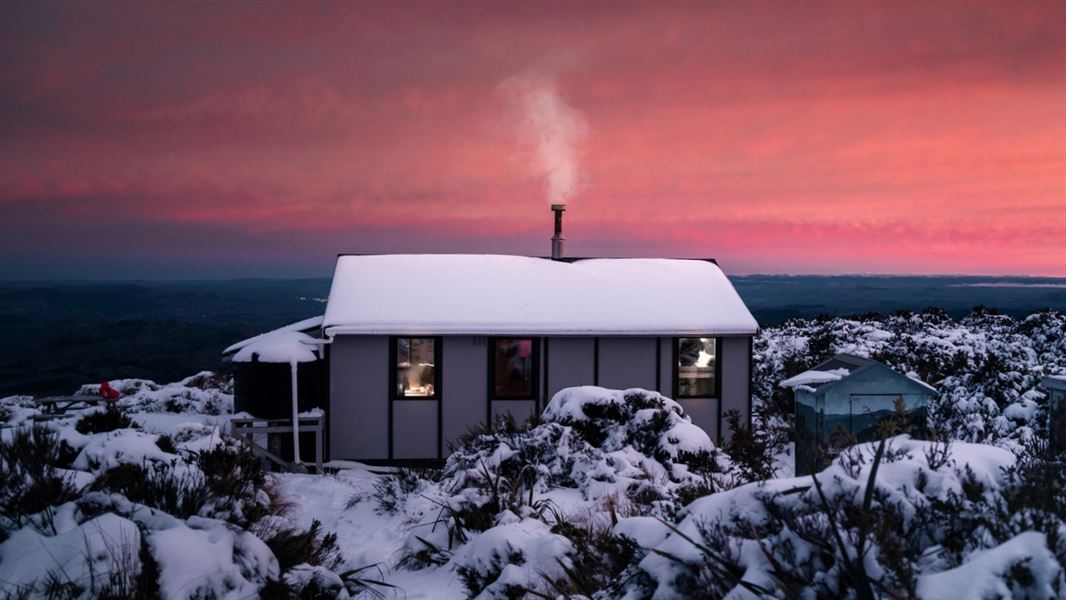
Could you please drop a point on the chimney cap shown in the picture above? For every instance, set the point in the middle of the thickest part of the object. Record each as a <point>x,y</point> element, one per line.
<point>558,206</point>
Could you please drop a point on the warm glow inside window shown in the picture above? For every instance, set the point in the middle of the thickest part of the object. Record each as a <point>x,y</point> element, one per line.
<point>416,360</point>
<point>513,368</point>
<point>696,367</point>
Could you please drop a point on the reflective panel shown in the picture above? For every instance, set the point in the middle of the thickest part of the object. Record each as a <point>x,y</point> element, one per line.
<point>513,375</point>
<point>415,367</point>
<point>696,367</point>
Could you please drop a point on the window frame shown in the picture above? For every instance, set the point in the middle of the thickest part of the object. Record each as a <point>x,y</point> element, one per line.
<point>535,371</point>
<point>394,393</point>
<point>675,366</point>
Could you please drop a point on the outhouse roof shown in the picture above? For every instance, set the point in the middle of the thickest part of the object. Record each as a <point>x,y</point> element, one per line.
<point>839,368</point>
<point>305,326</point>
<point>279,347</point>
<point>487,294</point>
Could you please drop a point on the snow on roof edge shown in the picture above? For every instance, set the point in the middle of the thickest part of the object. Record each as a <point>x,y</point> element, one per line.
<point>401,329</point>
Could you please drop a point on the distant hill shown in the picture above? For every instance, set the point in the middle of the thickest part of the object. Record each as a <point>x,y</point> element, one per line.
<point>776,298</point>
<point>56,336</point>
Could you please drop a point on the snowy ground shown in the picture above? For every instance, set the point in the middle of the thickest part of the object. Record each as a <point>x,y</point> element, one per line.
<point>615,495</point>
<point>343,502</point>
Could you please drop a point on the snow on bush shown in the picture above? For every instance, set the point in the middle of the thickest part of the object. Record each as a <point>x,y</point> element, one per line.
<point>599,441</point>
<point>904,520</point>
<point>608,494</point>
<point>95,557</point>
<point>515,555</point>
<point>205,393</point>
<point>998,573</point>
<point>500,494</point>
<point>92,505</point>
<point>109,449</point>
<point>201,556</point>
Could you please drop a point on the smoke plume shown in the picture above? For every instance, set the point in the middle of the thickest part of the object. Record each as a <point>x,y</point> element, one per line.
<point>553,128</point>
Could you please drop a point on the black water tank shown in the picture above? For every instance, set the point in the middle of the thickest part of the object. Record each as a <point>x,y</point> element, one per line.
<point>264,389</point>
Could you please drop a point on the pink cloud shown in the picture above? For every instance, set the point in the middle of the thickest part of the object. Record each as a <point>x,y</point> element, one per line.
<point>815,137</point>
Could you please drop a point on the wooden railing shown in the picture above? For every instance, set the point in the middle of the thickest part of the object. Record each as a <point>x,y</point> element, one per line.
<point>248,427</point>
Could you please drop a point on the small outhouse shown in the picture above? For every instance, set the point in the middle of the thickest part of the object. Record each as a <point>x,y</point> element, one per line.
<point>842,401</point>
<point>1056,388</point>
<point>280,374</point>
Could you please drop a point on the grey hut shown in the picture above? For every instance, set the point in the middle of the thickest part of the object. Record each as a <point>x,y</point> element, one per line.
<point>1056,388</point>
<point>843,399</point>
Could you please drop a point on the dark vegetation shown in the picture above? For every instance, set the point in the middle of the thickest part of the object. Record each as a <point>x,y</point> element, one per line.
<point>55,337</point>
<point>109,419</point>
<point>30,484</point>
<point>774,299</point>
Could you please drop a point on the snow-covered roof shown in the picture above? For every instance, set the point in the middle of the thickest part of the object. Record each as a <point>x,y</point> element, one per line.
<point>511,295</point>
<point>1057,382</point>
<point>838,368</point>
<point>304,326</point>
<point>280,347</point>
<point>814,377</point>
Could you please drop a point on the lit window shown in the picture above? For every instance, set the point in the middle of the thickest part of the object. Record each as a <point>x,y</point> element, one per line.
<point>696,364</point>
<point>514,368</point>
<point>416,360</point>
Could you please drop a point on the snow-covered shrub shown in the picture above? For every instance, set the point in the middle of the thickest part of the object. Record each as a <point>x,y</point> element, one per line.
<point>752,455</point>
<point>392,490</point>
<point>599,558</point>
<point>109,419</point>
<point>31,481</point>
<point>597,440</point>
<point>628,452</point>
<point>121,446</point>
<point>166,486</point>
<point>166,444</point>
<point>882,521</point>
<point>226,482</point>
<point>98,558</point>
<point>515,556</point>
<point>236,481</point>
<point>293,546</point>
<point>205,393</point>
<point>115,511</point>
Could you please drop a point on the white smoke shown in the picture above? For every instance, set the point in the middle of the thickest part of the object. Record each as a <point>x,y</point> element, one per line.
<point>554,129</point>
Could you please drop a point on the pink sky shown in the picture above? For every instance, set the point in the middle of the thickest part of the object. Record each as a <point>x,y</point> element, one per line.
<point>177,140</point>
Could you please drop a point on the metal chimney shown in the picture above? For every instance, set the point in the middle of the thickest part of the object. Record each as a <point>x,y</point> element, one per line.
<point>558,239</point>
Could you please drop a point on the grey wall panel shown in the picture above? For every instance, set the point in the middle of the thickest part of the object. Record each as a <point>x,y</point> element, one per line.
<point>464,385</point>
<point>704,413</point>
<point>570,362</point>
<point>735,380</point>
<point>666,366</point>
<point>414,429</point>
<point>627,362</point>
<point>519,409</point>
<point>359,401</point>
